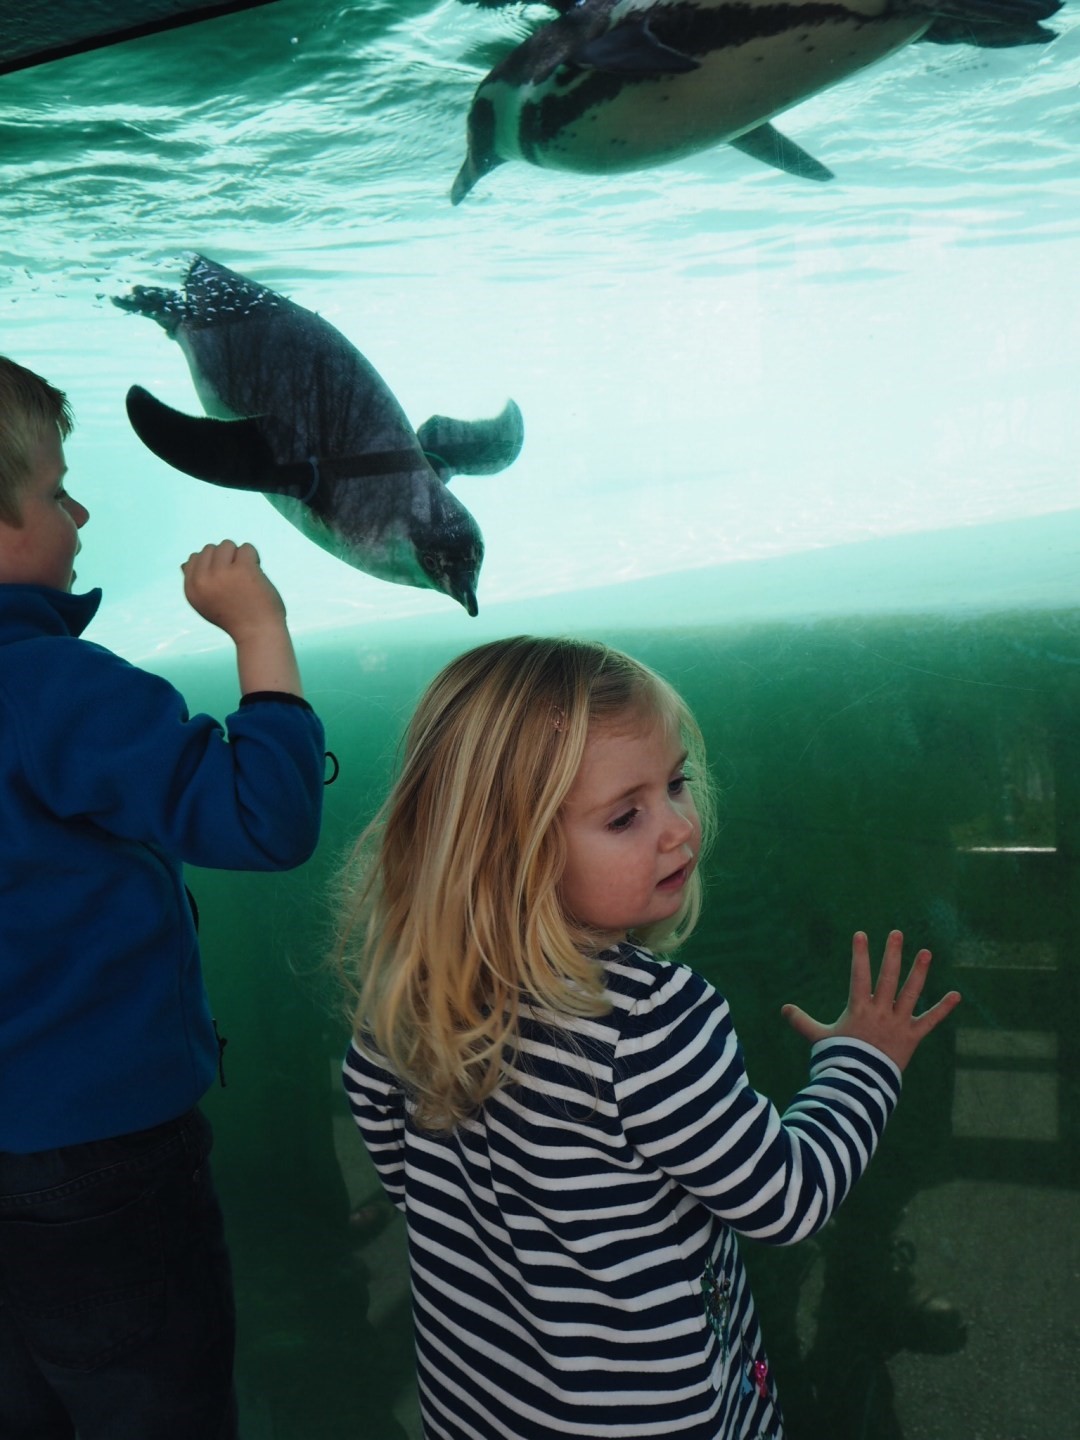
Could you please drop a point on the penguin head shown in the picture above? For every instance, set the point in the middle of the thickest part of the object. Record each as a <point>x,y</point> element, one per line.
<point>456,577</point>
<point>449,551</point>
<point>482,156</point>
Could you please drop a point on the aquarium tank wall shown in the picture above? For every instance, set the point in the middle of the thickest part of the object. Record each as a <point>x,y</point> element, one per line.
<point>808,447</point>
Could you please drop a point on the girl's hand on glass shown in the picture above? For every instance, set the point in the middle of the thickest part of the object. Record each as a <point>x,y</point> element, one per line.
<point>882,1015</point>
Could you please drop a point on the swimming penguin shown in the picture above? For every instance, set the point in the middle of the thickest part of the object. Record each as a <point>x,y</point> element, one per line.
<point>616,85</point>
<point>304,418</point>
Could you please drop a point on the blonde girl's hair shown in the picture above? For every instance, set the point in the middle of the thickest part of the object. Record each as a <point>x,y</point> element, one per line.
<point>450,916</point>
<point>29,405</point>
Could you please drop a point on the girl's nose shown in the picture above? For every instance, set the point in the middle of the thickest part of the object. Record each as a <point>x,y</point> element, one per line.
<point>678,830</point>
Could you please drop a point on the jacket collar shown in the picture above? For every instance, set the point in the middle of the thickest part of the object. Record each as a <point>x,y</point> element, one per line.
<point>37,609</point>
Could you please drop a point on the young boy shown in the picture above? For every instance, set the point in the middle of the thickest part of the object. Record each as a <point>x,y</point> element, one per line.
<point>116,1310</point>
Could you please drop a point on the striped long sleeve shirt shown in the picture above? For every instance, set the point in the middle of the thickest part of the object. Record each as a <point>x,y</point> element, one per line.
<point>572,1247</point>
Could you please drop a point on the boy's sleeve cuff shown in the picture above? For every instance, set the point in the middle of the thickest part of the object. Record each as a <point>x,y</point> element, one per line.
<point>282,696</point>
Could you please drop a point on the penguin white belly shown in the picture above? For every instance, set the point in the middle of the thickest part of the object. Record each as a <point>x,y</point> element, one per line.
<point>650,120</point>
<point>388,555</point>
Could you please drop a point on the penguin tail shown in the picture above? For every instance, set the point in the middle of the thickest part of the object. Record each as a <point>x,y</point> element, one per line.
<point>167,307</point>
<point>992,24</point>
<point>473,447</point>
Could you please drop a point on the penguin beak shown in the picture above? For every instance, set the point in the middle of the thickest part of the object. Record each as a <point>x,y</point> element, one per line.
<point>482,154</point>
<point>466,178</point>
<point>463,593</point>
<point>478,163</point>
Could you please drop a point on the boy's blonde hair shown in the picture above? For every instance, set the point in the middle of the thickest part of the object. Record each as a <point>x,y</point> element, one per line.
<point>451,917</point>
<point>29,405</point>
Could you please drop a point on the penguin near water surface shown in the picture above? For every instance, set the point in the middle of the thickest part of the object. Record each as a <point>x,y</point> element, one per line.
<point>301,416</point>
<point>616,85</point>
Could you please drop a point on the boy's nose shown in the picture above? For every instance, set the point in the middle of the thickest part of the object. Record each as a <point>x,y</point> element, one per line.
<point>79,513</point>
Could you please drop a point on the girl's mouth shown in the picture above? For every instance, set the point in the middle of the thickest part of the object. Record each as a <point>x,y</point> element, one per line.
<point>676,880</point>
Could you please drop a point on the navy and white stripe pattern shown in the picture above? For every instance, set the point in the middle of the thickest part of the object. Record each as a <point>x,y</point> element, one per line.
<point>574,1266</point>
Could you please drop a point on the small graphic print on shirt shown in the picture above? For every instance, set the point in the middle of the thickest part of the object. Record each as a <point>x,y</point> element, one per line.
<point>716,1294</point>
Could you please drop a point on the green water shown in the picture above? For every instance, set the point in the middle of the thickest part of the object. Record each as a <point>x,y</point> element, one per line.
<point>809,450</point>
<point>915,770</point>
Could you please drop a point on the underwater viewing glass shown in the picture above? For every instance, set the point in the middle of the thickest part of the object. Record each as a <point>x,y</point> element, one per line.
<point>805,445</point>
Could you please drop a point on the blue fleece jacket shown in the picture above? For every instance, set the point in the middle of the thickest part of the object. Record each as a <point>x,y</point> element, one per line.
<point>106,786</point>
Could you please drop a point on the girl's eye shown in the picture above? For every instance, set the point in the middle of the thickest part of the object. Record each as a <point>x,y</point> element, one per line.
<point>678,784</point>
<point>623,822</point>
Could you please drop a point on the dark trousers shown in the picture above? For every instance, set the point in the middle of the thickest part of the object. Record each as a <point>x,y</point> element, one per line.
<point>117,1319</point>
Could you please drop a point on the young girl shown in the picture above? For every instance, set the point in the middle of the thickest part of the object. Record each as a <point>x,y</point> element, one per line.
<point>563,1117</point>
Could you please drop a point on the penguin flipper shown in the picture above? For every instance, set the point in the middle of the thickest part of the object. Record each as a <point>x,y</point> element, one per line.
<point>473,447</point>
<point>765,143</point>
<point>633,49</point>
<point>232,453</point>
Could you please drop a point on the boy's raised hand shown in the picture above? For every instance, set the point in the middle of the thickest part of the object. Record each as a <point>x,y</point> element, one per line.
<point>882,1015</point>
<point>225,583</point>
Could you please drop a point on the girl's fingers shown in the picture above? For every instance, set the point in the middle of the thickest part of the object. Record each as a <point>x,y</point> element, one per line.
<point>883,1016</point>
<point>860,989</point>
<point>889,974</point>
<point>938,1012</point>
<point>804,1024</point>
<point>913,985</point>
